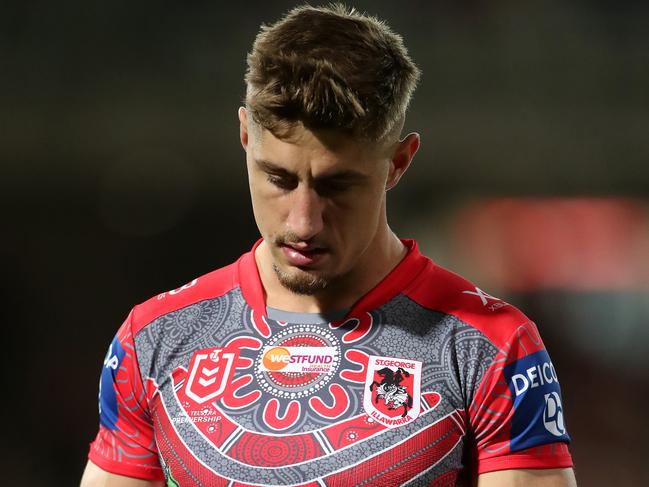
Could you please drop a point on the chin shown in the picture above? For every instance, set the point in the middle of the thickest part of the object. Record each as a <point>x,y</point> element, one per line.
<point>302,282</point>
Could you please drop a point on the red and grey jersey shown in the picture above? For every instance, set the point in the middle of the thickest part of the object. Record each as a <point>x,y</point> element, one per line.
<point>427,380</point>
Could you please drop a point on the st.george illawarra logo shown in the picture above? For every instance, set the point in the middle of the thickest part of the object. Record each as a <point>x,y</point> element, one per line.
<point>392,393</point>
<point>210,371</point>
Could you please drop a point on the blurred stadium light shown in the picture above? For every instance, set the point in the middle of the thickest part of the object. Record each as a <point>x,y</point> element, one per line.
<point>575,244</point>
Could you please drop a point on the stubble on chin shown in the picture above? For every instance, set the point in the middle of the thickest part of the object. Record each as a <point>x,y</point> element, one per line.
<point>301,282</point>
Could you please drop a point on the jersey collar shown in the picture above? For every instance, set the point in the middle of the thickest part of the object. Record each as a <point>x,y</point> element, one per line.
<point>396,281</point>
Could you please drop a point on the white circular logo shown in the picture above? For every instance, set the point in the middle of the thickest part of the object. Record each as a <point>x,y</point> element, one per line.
<point>553,414</point>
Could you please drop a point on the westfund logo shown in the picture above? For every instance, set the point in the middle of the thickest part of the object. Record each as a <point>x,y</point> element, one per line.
<point>538,410</point>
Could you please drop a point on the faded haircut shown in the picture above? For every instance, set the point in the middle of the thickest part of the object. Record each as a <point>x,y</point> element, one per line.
<point>330,68</point>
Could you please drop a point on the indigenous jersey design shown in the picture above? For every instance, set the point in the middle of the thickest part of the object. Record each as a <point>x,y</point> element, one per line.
<point>426,381</point>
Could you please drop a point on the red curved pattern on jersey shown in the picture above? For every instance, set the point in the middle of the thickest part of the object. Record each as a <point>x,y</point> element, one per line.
<point>238,343</point>
<point>360,326</point>
<point>232,400</point>
<point>339,403</point>
<point>528,341</point>
<point>432,398</point>
<point>302,341</point>
<point>278,421</point>
<point>259,323</point>
<point>359,358</point>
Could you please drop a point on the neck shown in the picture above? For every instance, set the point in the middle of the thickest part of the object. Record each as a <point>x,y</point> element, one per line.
<point>376,262</point>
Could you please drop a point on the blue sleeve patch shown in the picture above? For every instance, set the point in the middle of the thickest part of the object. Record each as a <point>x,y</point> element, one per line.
<point>108,414</point>
<point>538,412</point>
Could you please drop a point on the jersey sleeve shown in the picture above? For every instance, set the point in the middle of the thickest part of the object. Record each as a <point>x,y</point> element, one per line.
<point>125,444</point>
<point>517,411</point>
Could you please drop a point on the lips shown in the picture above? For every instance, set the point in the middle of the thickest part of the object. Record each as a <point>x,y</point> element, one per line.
<point>302,256</point>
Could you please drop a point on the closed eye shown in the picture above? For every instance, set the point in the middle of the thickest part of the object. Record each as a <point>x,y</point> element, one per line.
<point>326,185</point>
<point>332,187</point>
<point>283,182</point>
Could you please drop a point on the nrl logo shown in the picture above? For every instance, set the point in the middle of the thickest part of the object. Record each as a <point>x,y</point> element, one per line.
<point>210,371</point>
<point>392,390</point>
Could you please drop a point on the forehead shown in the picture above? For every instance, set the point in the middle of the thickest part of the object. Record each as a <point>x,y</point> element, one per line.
<point>316,151</point>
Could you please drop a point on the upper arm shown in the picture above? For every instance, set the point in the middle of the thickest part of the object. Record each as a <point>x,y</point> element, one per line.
<point>125,443</point>
<point>93,476</point>
<point>555,477</point>
<point>517,414</point>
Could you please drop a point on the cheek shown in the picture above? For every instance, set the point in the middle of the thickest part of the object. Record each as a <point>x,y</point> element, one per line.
<point>267,209</point>
<point>359,217</point>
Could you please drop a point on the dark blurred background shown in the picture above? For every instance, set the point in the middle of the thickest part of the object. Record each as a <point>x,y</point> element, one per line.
<point>122,176</point>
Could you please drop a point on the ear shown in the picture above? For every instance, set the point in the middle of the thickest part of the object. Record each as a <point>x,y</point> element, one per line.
<point>402,156</point>
<point>243,127</point>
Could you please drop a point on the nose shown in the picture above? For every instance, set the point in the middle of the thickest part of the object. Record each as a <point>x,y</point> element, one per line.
<point>305,215</point>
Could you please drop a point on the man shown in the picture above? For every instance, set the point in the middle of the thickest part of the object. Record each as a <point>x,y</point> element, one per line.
<point>333,353</point>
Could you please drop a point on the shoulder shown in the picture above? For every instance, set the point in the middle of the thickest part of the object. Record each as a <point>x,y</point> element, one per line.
<point>439,289</point>
<point>208,286</point>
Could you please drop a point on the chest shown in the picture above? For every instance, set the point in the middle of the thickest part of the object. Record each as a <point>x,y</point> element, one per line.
<point>374,399</point>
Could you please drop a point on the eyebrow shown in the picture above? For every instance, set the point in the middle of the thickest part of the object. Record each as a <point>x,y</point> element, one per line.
<point>345,174</point>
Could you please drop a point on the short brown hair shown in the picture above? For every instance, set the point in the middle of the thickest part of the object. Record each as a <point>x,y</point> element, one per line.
<point>329,67</point>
